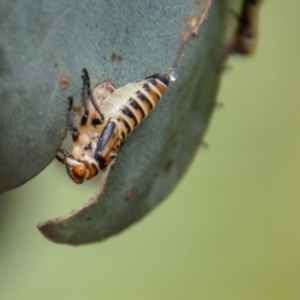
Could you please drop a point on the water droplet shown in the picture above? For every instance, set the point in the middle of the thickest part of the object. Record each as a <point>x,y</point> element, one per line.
<point>172,74</point>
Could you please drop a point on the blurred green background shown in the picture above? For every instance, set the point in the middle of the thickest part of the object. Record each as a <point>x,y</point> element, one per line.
<point>230,230</point>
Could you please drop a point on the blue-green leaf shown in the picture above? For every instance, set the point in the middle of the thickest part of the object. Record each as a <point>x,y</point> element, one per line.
<point>44,46</point>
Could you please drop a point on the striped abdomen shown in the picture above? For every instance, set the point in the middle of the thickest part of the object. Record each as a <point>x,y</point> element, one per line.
<point>133,102</point>
<point>124,110</point>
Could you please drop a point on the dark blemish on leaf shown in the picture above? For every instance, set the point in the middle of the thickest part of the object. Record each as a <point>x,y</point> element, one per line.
<point>88,218</point>
<point>64,81</point>
<point>114,57</point>
<point>55,65</point>
<point>129,194</point>
<point>168,166</point>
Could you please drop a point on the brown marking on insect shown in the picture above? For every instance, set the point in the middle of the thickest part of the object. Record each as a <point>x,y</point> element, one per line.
<point>192,27</point>
<point>101,92</point>
<point>153,94</point>
<point>115,57</point>
<point>161,87</point>
<point>64,81</point>
<point>129,194</point>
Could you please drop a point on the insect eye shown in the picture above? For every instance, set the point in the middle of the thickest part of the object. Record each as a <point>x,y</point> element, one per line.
<point>79,170</point>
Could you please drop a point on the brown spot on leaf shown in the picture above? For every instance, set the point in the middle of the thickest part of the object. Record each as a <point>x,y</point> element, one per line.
<point>64,81</point>
<point>115,57</point>
<point>168,166</point>
<point>129,194</point>
<point>192,26</point>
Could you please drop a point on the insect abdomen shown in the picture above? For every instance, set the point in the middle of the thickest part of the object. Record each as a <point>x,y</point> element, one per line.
<point>126,108</point>
<point>141,101</point>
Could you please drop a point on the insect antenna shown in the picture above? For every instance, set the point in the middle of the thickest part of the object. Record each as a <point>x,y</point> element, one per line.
<point>84,98</point>
<point>64,153</point>
<point>87,88</point>
<point>72,126</point>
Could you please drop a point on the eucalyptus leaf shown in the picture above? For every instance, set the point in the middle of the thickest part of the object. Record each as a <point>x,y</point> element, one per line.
<point>44,46</point>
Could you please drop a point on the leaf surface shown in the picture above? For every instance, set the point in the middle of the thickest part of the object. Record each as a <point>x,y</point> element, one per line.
<point>45,45</point>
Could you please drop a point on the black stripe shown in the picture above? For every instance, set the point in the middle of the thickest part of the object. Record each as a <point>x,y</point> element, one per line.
<point>136,106</point>
<point>152,76</point>
<point>126,111</point>
<point>126,124</point>
<point>75,135</point>
<point>83,120</point>
<point>102,162</point>
<point>164,78</point>
<point>146,86</point>
<point>144,98</point>
<point>153,82</point>
<point>88,147</point>
<point>96,121</point>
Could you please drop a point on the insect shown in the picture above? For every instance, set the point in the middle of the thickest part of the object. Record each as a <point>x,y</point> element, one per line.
<point>100,133</point>
<point>245,38</point>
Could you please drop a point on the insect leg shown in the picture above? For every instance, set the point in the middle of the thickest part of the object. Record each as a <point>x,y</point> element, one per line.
<point>64,153</point>
<point>61,160</point>
<point>72,126</point>
<point>106,146</point>
<point>89,93</point>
